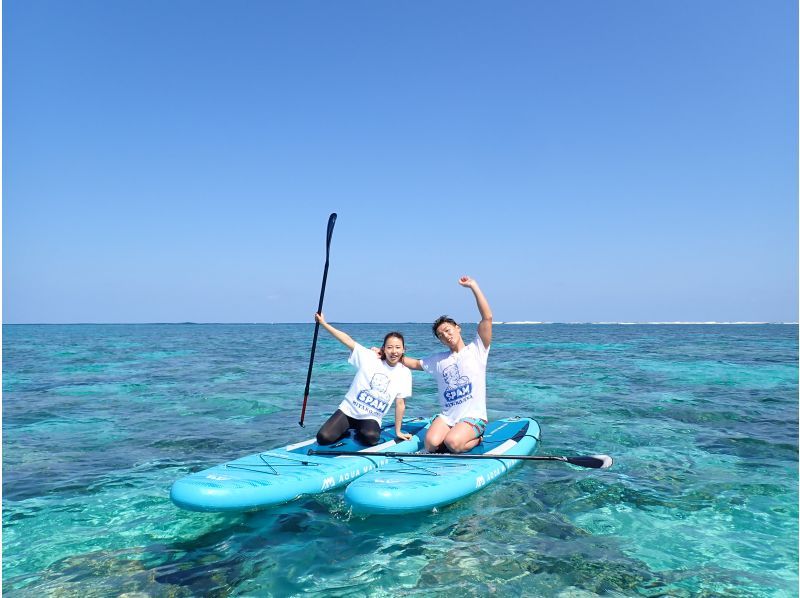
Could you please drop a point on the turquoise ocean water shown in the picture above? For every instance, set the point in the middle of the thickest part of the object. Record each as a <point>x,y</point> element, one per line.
<point>702,422</point>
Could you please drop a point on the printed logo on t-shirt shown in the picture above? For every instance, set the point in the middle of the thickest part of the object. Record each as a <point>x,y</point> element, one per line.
<point>459,388</point>
<point>374,401</point>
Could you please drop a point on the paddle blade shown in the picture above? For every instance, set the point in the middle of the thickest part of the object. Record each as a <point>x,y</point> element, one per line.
<point>331,224</point>
<point>595,461</point>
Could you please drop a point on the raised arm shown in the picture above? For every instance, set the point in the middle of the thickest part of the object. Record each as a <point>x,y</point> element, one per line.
<point>340,336</point>
<point>485,325</point>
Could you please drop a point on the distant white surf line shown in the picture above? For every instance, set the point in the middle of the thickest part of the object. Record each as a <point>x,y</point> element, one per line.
<point>654,323</point>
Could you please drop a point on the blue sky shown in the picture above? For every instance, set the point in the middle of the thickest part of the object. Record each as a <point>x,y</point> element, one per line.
<point>585,161</point>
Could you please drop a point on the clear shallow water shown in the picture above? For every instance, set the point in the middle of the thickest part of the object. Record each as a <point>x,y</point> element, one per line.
<point>702,500</point>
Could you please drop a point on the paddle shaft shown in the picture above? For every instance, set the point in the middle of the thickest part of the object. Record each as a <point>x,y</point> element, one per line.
<point>331,223</point>
<point>595,462</point>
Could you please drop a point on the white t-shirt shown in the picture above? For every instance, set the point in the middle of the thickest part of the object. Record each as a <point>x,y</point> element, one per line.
<point>375,385</point>
<point>461,378</point>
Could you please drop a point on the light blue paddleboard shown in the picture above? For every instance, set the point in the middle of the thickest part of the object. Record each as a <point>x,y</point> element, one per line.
<point>281,475</point>
<point>411,484</point>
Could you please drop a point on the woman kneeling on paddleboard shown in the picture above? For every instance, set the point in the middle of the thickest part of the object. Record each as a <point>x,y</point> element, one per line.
<point>376,385</point>
<point>461,377</point>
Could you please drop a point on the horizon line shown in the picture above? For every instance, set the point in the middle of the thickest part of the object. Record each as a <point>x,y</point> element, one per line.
<point>503,323</point>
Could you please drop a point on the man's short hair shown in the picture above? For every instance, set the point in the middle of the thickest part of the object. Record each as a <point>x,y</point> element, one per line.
<point>442,320</point>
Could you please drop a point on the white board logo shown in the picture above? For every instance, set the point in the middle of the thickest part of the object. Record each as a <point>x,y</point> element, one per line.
<point>479,481</point>
<point>328,483</point>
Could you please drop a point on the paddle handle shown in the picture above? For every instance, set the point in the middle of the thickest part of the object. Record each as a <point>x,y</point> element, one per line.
<point>331,223</point>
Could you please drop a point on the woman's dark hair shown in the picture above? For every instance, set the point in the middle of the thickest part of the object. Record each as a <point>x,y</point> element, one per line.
<point>441,320</point>
<point>393,334</point>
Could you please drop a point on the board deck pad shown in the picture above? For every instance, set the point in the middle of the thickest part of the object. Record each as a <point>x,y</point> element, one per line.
<point>413,484</point>
<point>284,474</point>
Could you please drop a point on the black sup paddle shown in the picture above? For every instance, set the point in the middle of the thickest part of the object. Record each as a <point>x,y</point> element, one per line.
<point>593,461</point>
<point>331,223</point>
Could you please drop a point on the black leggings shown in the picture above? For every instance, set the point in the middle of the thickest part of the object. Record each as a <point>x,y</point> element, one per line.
<point>367,430</point>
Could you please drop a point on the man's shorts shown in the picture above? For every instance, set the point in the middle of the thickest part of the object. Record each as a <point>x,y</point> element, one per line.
<point>478,425</point>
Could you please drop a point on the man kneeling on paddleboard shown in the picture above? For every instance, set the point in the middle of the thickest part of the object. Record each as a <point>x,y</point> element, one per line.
<point>461,377</point>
